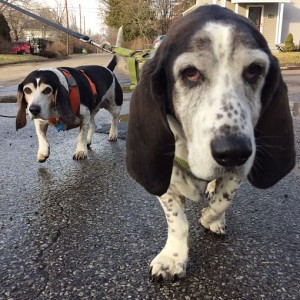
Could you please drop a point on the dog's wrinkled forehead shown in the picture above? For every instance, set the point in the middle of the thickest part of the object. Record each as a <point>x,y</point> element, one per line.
<point>218,37</point>
<point>203,28</point>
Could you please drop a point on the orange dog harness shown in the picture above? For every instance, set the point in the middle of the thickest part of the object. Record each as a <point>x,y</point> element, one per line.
<point>74,98</point>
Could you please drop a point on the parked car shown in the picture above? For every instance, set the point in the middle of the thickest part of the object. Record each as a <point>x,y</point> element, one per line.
<point>158,41</point>
<point>21,48</point>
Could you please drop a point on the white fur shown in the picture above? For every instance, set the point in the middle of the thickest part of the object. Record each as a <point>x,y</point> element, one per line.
<point>199,115</point>
<point>36,97</point>
<point>198,124</point>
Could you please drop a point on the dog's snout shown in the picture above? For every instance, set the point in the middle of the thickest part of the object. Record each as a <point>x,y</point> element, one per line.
<point>35,109</point>
<point>231,151</point>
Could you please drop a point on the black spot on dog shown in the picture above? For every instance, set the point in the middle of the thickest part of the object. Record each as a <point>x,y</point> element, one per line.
<point>226,196</point>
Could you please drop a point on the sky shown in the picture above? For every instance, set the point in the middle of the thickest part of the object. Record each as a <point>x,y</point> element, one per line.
<point>89,13</point>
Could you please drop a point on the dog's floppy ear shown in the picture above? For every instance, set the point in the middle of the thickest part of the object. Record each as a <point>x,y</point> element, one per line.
<point>150,144</point>
<point>22,104</point>
<point>64,109</point>
<point>275,156</point>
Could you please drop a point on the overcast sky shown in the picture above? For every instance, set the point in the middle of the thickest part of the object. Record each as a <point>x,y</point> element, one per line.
<point>89,12</point>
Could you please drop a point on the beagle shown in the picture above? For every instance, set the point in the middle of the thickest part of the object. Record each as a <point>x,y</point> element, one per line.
<point>210,110</point>
<point>68,98</point>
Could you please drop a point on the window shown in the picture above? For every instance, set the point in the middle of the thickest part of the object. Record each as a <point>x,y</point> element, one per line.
<point>255,15</point>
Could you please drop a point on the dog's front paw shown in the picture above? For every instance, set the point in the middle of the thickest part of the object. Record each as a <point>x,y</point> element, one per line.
<point>80,155</point>
<point>167,266</point>
<point>43,155</point>
<point>214,224</point>
<point>113,136</point>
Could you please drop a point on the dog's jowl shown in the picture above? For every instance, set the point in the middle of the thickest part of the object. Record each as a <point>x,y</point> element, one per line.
<point>68,98</point>
<point>210,110</point>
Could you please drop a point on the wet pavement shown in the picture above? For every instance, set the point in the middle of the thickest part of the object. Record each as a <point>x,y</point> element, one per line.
<point>85,230</point>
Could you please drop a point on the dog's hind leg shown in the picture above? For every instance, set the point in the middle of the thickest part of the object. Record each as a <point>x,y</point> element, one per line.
<point>81,149</point>
<point>115,112</point>
<point>41,127</point>
<point>91,131</point>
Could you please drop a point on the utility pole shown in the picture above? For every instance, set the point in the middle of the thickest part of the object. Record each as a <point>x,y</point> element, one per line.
<point>67,16</point>
<point>80,19</point>
<point>84,31</point>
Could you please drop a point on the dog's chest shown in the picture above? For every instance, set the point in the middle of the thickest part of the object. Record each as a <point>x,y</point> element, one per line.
<point>186,184</point>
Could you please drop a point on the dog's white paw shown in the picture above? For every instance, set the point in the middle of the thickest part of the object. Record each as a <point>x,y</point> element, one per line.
<point>80,155</point>
<point>113,136</point>
<point>42,155</point>
<point>214,224</point>
<point>167,265</point>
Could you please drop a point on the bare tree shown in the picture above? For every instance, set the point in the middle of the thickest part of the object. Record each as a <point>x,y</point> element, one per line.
<point>143,18</point>
<point>20,23</point>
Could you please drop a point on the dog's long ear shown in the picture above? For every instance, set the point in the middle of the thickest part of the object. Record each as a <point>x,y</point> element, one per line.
<point>64,109</point>
<point>22,104</point>
<point>275,156</point>
<point>150,144</point>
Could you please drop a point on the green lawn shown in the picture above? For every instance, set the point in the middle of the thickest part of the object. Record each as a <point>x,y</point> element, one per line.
<point>19,58</point>
<point>288,58</point>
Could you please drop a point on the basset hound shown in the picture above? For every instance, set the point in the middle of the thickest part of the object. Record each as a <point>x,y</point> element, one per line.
<point>67,98</point>
<point>211,109</point>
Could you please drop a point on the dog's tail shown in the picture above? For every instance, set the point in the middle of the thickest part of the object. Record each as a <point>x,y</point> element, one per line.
<point>111,66</point>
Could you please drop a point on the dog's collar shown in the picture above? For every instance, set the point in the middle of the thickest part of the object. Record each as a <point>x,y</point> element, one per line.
<point>185,167</point>
<point>182,164</point>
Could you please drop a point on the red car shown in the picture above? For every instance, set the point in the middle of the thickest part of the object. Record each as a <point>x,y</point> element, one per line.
<point>21,48</point>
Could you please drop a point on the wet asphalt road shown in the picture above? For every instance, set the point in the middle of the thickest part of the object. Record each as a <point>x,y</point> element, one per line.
<point>84,230</point>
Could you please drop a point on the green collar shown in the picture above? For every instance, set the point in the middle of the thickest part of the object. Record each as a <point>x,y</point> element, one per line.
<point>182,164</point>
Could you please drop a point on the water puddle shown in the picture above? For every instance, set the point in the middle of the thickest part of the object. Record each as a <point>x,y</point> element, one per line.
<point>296,109</point>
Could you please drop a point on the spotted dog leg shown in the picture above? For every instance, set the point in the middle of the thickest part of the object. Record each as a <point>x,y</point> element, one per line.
<point>171,261</point>
<point>41,127</point>
<point>220,194</point>
<point>81,149</point>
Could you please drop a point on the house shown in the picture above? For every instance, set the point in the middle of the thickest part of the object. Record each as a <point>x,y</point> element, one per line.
<point>273,18</point>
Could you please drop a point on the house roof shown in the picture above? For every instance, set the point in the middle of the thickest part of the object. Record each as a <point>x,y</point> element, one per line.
<point>200,3</point>
<point>260,2</point>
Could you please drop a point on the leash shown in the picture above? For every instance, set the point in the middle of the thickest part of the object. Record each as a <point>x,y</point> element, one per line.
<point>105,46</point>
<point>9,117</point>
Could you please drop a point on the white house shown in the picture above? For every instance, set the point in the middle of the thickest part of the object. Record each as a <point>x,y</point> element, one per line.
<point>273,18</point>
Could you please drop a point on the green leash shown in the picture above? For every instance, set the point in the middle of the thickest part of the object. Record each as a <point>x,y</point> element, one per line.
<point>182,163</point>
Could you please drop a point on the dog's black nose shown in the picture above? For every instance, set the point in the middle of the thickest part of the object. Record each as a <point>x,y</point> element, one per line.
<point>35,109</point>
<point>231,151</point>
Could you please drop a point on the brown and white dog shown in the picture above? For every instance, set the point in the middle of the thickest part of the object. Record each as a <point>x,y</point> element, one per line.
<point>210,110</point>
<point>68,98</point>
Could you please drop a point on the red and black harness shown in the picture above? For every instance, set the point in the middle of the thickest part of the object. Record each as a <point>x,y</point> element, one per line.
<point>74,97</point>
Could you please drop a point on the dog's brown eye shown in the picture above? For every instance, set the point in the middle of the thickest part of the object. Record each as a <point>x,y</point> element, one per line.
<point>47,91</point>
<point>252,73</point>
<point>192,74</point>
<point>27,90</point>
